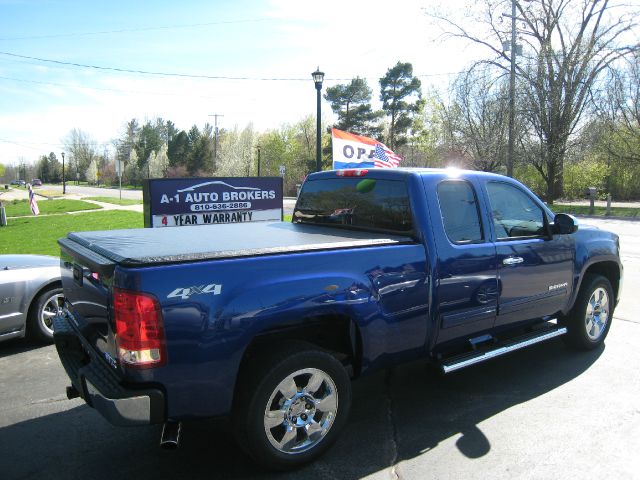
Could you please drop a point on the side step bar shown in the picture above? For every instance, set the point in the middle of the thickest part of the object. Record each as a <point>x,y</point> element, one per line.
<point>467,359</point>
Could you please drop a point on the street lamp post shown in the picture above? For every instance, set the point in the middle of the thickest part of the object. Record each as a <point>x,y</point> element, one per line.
<point>64,187</point>
<point>318,77</point>
<point>258,147</point>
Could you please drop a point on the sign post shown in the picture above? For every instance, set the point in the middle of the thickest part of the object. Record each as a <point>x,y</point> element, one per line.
<point>176,202</point>
<point>3,216</point>
<point>119,172</point>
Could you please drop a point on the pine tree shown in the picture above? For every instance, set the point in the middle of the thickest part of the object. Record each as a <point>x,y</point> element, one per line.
<point>351,102</point>
<point>401,100</point>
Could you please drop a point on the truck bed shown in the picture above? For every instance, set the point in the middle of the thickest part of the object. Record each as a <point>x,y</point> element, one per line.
<point>156,246</point>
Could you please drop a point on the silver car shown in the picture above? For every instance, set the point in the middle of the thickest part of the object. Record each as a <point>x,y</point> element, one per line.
<point>30,296</point>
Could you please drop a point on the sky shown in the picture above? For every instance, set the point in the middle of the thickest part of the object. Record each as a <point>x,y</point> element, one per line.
<point>49,51</point>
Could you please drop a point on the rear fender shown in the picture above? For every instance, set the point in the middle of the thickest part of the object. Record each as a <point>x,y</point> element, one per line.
<point>381,324</point>
<point>267,306</point>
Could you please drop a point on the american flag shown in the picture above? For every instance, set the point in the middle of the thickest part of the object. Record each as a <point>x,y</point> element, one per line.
<point>32,202</point>
<point>385,158</point>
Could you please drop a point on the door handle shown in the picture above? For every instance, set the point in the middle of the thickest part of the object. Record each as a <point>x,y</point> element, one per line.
<point>512,260</point>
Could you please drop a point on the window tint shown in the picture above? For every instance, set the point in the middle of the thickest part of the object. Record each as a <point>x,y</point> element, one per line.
<point>515,214</point>
<point>459,210</point>
<point>355,202</point>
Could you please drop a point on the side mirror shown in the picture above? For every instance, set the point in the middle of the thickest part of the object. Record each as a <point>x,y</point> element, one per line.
<point>564,224</point>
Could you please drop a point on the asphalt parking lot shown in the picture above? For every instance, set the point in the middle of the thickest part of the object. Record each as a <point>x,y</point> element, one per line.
<point>543,412</point>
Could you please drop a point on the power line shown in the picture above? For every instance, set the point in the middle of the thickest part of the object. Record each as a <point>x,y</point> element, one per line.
<point>19,144</point>
<point>145,72</point>
<point>130,30</point>
<point>82,144</point>
<point>23,80</point>
<point>185,75</point>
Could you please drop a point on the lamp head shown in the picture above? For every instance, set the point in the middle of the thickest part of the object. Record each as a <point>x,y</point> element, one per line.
<point>318,77</point>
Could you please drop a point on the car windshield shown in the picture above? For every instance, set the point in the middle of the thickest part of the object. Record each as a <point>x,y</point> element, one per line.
<point>355,202</point>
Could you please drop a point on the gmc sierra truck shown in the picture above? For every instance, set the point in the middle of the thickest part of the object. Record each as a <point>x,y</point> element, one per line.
<point>267,323</point>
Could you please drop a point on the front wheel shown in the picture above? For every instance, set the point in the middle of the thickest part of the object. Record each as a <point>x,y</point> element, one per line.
<point>590,319</point>
<point>291,406</point>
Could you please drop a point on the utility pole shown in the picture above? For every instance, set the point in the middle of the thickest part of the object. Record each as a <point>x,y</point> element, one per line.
<point>144,152</point>
<point>513,48</point>
<point>512,90</point>
<point>104,162</point>
<point>215,141</point>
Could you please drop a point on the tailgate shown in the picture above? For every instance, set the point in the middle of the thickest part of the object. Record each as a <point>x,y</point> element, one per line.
<point>86,280</point>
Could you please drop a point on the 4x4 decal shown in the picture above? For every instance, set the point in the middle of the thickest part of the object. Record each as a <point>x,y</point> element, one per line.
<point>184,293</point>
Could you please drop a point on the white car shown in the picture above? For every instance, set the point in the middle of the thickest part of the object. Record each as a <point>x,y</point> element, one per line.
<point>30,296</point>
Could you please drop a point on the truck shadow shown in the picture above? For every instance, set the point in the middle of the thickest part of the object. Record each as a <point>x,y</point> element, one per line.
<point>19,345</point>
<point>396,415</point>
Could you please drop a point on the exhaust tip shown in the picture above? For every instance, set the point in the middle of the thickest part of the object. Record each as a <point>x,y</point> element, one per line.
<point>170,438</point>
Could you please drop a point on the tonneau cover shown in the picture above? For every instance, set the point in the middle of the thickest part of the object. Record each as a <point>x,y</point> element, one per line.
<point>153,246</point>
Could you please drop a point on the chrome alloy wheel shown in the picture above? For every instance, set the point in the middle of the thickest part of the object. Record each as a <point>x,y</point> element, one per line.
<point>51,307</point>
<point>301,411</point>
<point>597,313</point>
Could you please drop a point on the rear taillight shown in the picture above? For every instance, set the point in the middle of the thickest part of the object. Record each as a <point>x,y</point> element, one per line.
<point>358,172</point>
<point>139,329</point>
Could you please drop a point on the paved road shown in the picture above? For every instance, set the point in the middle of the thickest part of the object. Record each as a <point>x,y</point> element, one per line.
<point>96,191</point>
<point>544,412</point>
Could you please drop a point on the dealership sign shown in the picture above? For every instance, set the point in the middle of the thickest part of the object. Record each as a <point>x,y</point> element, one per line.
<point>175,202</point>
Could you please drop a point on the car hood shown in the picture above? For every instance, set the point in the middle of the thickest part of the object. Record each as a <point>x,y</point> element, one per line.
<point>13,262</point>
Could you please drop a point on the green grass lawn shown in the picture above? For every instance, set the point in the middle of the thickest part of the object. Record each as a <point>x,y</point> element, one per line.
<point>40,234</point>
<point>599,211</point>
<point>115,201</point>
<point>17,208</point>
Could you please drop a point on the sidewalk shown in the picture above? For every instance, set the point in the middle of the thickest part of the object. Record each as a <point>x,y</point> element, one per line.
<point>599,203</point>
<point>105,206</point>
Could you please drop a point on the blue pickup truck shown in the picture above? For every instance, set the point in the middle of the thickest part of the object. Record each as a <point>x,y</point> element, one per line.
<point>267,323</point>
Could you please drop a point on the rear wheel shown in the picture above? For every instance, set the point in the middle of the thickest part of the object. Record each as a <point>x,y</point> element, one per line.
<point>44,307</point>
<point>291,406</point>
<point>589,321</point>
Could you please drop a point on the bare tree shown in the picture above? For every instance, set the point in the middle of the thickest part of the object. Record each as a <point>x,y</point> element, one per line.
<point>619,112</point>
<point>91,174</point>
<point>481,111</point>
<point>159,162</point>
<point>234,154</point>
<point>82,151</point>
<point>568,44</point>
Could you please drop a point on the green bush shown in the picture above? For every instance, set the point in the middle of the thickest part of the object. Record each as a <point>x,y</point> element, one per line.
<point>528,175</point>
<point>580,176</point>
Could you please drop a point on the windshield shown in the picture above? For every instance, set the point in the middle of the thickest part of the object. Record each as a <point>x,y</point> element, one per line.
<point>355,202</point>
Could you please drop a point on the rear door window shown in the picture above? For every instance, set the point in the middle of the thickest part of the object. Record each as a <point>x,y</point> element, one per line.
<point>366,203</point>
<point>459,210</point>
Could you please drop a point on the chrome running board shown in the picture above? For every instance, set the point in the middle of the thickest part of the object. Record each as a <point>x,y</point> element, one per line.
<point>467,359</point>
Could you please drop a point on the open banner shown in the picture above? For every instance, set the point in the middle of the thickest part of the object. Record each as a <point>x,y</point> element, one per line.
<point>356,151</point>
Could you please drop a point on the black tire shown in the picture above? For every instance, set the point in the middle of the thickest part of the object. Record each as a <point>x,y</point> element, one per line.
<point>260,401</point>
<point>589,320</point>
<point>43,307</point>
